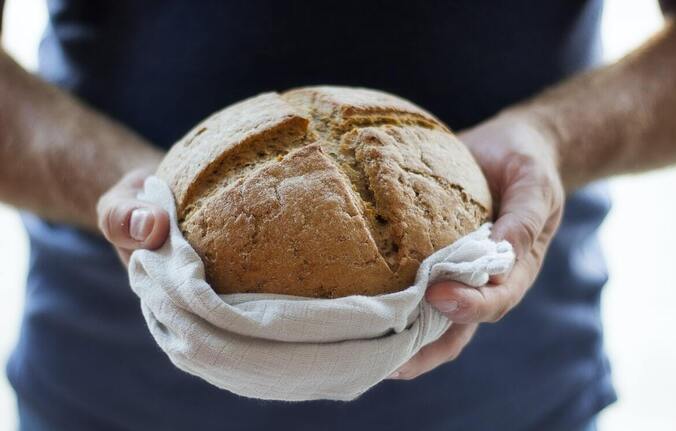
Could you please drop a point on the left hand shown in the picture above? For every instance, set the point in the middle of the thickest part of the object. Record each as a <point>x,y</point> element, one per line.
<point>519,159</point>
<point>128,223</point>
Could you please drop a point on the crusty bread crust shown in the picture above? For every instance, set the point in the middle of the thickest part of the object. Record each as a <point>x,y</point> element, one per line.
<point>322,192</point>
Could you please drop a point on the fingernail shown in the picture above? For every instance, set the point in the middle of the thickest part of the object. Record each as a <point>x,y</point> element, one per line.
<point>141,224</point>
<point>394,375</point>
<point>446,306</point>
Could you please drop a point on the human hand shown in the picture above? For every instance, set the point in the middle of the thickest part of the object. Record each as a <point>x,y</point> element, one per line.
<point>129,223</point>
<point>519,159</point>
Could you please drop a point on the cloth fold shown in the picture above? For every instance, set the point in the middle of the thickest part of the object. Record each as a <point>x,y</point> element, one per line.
<point>292,348</point>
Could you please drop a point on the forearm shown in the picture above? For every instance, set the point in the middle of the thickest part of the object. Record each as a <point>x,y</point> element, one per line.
<point>57,156</point>
<point>618,119</point>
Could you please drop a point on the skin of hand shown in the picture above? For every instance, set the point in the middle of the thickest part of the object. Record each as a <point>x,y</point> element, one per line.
<point>520,163</point>
<point>128,223</point>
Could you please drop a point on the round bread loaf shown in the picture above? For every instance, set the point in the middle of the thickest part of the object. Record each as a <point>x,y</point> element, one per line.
<point>322,192</point>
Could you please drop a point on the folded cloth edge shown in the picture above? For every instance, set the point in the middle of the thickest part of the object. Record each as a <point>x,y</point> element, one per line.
<point>228,339</point>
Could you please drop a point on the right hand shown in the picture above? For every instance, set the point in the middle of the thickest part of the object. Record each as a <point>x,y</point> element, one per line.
<point>520,162</point>
<point>129,223</point>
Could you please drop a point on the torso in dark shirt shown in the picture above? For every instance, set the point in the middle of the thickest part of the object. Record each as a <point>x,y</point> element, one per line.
<point>85,359</point>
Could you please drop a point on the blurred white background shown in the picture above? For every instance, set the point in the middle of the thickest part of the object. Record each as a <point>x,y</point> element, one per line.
<point>638,237</point>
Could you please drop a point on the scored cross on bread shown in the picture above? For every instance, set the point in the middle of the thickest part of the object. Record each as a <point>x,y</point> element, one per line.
<point>322,192</point>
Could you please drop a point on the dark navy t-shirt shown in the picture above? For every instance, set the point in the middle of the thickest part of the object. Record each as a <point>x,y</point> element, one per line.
<point>85,359</point>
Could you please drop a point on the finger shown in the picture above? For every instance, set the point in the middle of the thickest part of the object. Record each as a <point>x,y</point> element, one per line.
<point>465,304</point>
<point>132,224</point>
<point>445,349</point>
<point>541,245</point>
<point>524,210</point>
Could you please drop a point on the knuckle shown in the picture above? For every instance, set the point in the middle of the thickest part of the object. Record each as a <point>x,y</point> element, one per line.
<point>557,195</point>
<point>474,309</point>
<point>552,190</point>
<point>498,315</point>
<point>467,310</point>
<point>541,178</point>
<point>557,209</point>
<point>453,353</point>
<point>507,305</point>
<point>518,164</point>
<point>558,205</point>
<point>536,257</point>
<point>526,232</point>
<point>514,303</point>
<point>542,186</point>
<point>410,374</point>
<point>500,311</point>
<point>456,345</point>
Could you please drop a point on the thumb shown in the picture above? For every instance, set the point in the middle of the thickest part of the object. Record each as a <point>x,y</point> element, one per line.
<point>132,224</point>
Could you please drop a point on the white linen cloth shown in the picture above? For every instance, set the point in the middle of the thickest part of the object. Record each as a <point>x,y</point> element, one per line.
<point>292,348</point>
